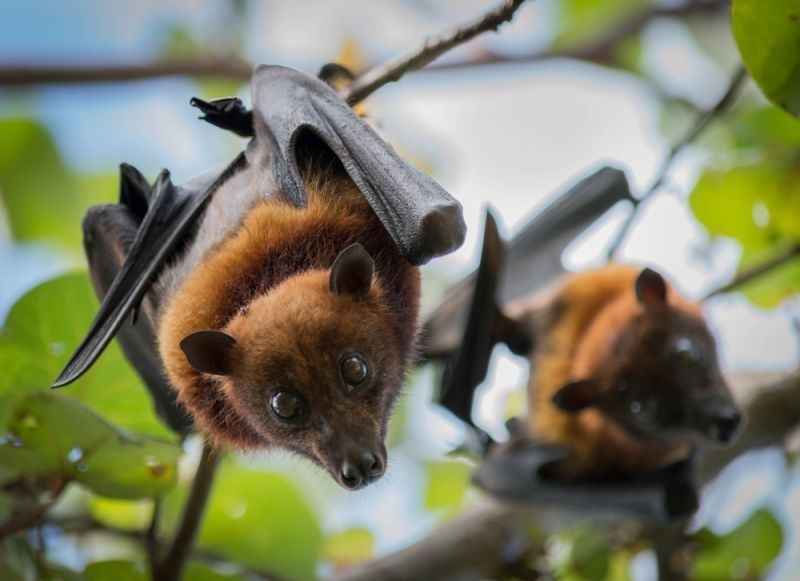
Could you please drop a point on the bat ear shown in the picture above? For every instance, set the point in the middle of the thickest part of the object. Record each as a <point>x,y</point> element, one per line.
<point>351,273</point>
<point>210,351</point>
<point>576,395</point>
<point>651,290</point>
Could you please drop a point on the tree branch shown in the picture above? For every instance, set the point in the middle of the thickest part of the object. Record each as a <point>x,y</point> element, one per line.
<point>231,67</point>
<point>702,121</point>
<point>171,567</point>
<point>431,49</point>
<point>481,542</point>
<point>758,270</point>
<point>29,519</point>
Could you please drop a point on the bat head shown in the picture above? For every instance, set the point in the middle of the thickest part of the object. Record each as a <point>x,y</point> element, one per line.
<point>313,366</point>
<point>660,374</point>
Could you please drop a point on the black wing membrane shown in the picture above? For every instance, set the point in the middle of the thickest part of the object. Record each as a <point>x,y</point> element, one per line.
<point>533,259</point>
<point>289,107</point>
<point>514,472</point>
<point>171,213</point>
<point>485,323</point>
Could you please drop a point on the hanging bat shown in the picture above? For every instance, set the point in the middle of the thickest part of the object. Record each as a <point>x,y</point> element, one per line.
<point>625,388</point>
<point>273,303</point>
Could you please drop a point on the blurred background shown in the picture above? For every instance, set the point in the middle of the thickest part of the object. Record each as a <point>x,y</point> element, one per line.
<point>509,119</point>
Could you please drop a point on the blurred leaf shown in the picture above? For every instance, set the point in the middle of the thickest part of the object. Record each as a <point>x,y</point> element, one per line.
<point>126,515</point>
<point>38,337</point>
<point>16,560</point>
<point>179,44</point>
<point>768,37</point>
<point>725,201</point>
<point>447,484</point>
<point>59,573</point>
<point>43,198</point>
<point>766,126</point>
<point>516,404</point>
<point>756,205</point>
<point>17,461</point>
<point>770,289</point>
<point>197,571</point>
<point>6,505</point>
<point>589,555</point>
<point>348,547</point>
<point>82,446</point>
<point>37,189</point>
<point>116,570</point>
<point>583,21</point>
<point>258,519</point>
<point>743,553</point>
<point>619,566</point>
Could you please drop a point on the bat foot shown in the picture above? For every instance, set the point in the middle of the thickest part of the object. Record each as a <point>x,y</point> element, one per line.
<point>227,113</point>
<point>526,471</point>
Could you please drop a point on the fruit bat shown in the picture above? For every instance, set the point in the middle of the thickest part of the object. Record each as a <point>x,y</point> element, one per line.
<point>272,302</point>
<point>478,313</point>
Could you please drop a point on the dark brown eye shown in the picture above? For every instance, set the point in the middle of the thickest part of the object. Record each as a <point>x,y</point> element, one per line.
<point>354,370</point>
<point>286,405</point>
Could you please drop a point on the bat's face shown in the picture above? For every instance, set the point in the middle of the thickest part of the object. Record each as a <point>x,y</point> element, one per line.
<point>662,377</point>
<point>315,369</point>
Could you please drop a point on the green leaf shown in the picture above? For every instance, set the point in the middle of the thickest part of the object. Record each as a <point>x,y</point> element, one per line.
<point>589,555</point>
<point>116,570</point>
<point>38,337</point>
<point>257,519</point>
<point>756,205</point>
<point>744,553</point>
<point>768,37</point>
<point>447,484</point>
<point>583,21</point>
<point>82,446</point>
<point>126,515</point>
<point>44,200</point>
<point>196,571</point>
<point>16,560</point>
<point>349,547</point>
<point>766,126</point>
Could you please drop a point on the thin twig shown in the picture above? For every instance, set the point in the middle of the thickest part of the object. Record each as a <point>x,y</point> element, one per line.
<point>29,519</point>
<point>758,270</point>
<point>693,132</point>
<point>171,567</point>
<point>431,49</point>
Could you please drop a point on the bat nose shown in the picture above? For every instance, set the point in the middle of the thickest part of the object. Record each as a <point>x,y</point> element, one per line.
<point>361,469</point>
<point>726,425</point>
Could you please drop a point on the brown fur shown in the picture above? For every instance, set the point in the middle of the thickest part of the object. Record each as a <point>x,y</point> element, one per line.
<point>267,285</point>
<point>578,330</point>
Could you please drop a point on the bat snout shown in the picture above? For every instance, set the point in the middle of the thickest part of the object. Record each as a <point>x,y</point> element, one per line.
<point>360,469</point>
<point>725,426</point>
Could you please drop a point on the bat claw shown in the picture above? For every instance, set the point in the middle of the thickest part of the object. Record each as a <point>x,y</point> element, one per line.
<point>227,113</point>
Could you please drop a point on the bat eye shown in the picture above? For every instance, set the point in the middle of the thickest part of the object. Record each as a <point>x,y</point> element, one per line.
<point>643,410</point>
<point>286,405</point>
<point>354,370</point>
<point>685,352</point>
